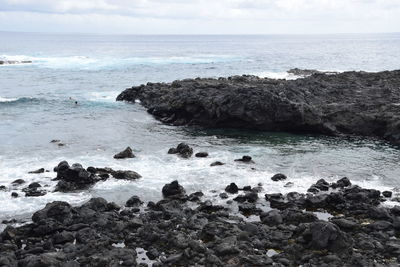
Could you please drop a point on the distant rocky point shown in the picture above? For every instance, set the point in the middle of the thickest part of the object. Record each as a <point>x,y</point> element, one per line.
<point>348,103</point>
<point>308,72</point>
<point>9,62</point>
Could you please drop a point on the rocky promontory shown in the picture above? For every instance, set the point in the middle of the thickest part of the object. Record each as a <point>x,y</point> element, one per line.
<point>349,103</point>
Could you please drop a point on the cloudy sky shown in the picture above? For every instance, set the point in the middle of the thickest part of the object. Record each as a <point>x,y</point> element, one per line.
<point>200,16</point>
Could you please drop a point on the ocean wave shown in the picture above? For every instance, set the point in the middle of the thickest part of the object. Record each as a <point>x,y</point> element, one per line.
<point>11,101</point>
<point>293,74</point>
<point>95,63</point>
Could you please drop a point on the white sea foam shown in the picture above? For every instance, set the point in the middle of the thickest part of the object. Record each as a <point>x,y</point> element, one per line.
<point>4,99</point>
<point>88,62</point>
<point>106,96</point>
<point>157,168</point>
<point>277,75</point>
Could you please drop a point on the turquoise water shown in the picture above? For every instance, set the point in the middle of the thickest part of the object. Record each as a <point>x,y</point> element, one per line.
<point>35,108</point>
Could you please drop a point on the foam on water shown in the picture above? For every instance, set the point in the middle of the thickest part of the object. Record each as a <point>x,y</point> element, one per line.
<point>4,99</point>
<point>98,63</point>
<point>157,168</point>
<point>277,75</point>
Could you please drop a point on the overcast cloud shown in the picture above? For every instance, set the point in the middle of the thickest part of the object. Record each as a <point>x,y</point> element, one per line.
<point>200,16</point>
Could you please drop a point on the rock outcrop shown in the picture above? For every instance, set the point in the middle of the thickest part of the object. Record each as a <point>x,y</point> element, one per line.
<point>350,103</point>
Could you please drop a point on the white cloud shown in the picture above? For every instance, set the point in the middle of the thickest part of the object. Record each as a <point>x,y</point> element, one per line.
<point>202,16</point>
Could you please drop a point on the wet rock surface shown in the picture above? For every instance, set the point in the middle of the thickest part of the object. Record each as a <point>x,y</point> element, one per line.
<point>351,103</point>
<point>75,177</point>
<point>126,153</point>
<point>185,230</point>
<point>183,150</point>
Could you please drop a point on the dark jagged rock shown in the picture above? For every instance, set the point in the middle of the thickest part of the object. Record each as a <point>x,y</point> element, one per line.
<point>201,154</point>
<point>127,153</point>
<point>33,190</point>
<point>232,188</point>
<point>246,159</point>
<point>18,182</point>
<point>278,177</point>
<point>320,185</point>
<point>387,193</point>
<point>343,182</point>
<point>324,235</point>
<point>217,163</point>
<point>356,103</point>
<point>34,185</point>
<point>172,189</point>
<point>3,188</point>
<point>14,194</point>
<point>183,150</point>
<point>126,175</point>
<point>133,201</point>
<point>41,170</point>
<point>73,177</point>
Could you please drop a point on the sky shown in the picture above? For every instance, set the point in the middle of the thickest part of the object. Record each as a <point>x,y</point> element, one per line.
<point>200,16</point>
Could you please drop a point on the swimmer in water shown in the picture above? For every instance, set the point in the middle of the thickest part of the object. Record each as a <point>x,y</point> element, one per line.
<point>76,102</point>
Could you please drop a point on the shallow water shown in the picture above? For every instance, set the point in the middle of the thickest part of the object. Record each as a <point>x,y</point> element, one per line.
<point>35,108</point>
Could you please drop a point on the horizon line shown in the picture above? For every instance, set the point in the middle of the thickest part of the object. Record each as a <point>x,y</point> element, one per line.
<point>200,34</point>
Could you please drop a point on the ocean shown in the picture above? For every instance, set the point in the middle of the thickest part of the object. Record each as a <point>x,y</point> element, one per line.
<point>37,105</point>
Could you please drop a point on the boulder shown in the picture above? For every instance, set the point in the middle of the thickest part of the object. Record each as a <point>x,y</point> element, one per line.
<point>127,153</point>
<point>325,235</point>
<point>232,188</point>
<point>183,150</point>
<point>173,189</point>
<point>73,177</point>
<point>41,170</point>
<point>126,175</point>
<point>245,159</point>
<point>134,201</point>
<point>278,177</point>
<point>201,154</point>
<point>18,182</point>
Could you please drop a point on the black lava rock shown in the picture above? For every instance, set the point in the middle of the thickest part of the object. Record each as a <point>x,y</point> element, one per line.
<point>18,182</point>
<point>173,189</point>
<point>134,201</point>
<point>41,170</point>
<point>278,177</point>
<point>232,188</point>
<point>387,193</point>
<point>126,175</point>
<point>127,153</point>
<point>183,150</point>
<point>246,159</point>
<point>217,163</point>
<point>201,154</point>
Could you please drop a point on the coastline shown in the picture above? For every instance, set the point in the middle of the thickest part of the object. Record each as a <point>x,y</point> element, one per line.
<point>347,103</point>
<point>333,224</point>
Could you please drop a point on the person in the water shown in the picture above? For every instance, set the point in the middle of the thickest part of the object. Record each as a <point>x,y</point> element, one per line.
<point>76,102</point>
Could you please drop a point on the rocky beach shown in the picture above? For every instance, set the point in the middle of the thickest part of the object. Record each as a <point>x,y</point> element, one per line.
<point>333,223</point>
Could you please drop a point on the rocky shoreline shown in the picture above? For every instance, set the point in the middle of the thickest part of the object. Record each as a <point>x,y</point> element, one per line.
<point>334,224</point>
<point>349,103</point>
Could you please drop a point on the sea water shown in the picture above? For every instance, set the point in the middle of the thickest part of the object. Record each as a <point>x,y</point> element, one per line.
<point>37,105</point>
